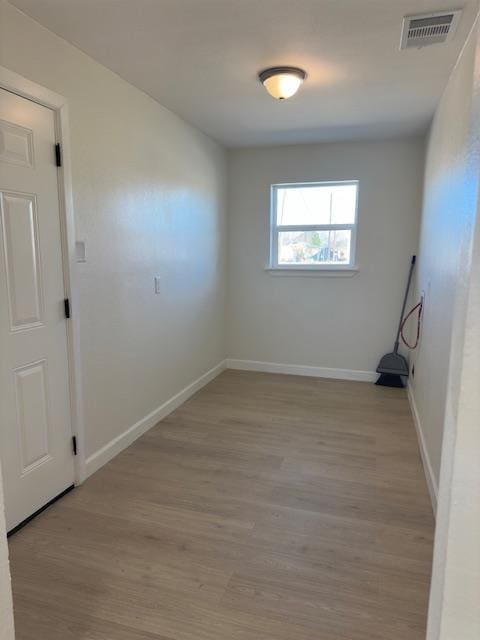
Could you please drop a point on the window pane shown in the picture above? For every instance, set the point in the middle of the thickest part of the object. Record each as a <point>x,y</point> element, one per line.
<point>314,247</point>
<point>316,204</point>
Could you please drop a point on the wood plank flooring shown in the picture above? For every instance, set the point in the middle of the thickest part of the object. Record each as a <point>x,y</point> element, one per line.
<point>267,507</point>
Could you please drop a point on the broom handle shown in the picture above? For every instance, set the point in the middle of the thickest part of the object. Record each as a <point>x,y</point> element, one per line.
<point>410,275</point>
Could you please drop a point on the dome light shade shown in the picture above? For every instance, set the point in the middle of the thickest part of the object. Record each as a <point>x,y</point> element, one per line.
<point>282,82</point>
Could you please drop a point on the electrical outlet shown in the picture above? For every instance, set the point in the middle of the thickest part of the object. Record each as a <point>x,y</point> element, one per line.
<point>158,284</point>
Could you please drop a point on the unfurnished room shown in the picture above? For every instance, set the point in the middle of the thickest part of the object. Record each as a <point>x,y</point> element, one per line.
<point>239,320</point>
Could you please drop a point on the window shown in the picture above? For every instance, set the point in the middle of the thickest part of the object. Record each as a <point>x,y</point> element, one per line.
<point>313,225</point>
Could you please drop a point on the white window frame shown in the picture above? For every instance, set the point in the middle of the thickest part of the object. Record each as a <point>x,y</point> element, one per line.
<point>275,229</point>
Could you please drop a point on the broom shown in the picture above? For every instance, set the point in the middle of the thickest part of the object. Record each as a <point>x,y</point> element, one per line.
<point>393,365</point>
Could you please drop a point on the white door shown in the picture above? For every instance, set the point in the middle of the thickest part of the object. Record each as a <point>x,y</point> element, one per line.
<point>35,429</point>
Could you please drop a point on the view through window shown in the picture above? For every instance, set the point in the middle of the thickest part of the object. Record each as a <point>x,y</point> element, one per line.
<point>313,225</point>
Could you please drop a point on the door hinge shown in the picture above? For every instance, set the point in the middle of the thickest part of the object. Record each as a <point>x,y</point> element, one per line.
<point>74,445</point>
<point>58,155</point>
<point>66,305</point>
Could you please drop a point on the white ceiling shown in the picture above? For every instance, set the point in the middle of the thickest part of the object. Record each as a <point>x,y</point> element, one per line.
<point>200,59</point>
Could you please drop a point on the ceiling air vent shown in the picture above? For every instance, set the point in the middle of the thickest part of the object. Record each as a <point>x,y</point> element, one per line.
<point>430,28</point>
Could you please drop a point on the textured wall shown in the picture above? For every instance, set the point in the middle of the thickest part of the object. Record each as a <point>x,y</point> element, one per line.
<point>345,323</point>
<point>444,248</point>
<point>149,200</point>
<point>447,379</point>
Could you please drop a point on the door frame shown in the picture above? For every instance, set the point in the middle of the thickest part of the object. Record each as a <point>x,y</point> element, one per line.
<point>34,92</point>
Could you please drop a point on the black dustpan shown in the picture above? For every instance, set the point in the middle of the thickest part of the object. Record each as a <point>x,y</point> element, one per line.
<point>393,367</point>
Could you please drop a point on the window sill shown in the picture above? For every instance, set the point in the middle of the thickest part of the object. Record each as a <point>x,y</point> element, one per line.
<point>314,272</point>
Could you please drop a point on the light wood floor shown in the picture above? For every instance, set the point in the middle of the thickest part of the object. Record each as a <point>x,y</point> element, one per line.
<point>266,508</point>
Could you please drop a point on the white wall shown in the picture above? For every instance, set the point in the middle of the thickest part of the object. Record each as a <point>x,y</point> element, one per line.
<point>6,616</point>
<point>444,249</point>
<point>340,323</point>
<point>447,380</point>
<point>149,197</point>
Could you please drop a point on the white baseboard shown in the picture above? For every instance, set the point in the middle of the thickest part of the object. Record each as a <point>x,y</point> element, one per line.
<point>302,370</point>
<point>427,465</point>
<point>121,442</point>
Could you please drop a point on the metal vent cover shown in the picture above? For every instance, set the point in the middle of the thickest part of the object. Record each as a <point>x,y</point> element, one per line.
<point>429,28</point>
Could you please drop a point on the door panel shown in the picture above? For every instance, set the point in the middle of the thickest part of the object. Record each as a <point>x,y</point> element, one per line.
<point>16,144</point>
<point>32,414</point>
<point>21,252</point>
<point>35,433</point>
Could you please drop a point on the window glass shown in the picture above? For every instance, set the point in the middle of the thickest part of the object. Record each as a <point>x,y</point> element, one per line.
<point>314,247</point>
<point>313,225</point>
<point>316,205</point>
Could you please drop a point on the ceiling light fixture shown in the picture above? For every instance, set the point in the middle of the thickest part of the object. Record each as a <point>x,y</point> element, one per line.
<point>282,82</point>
